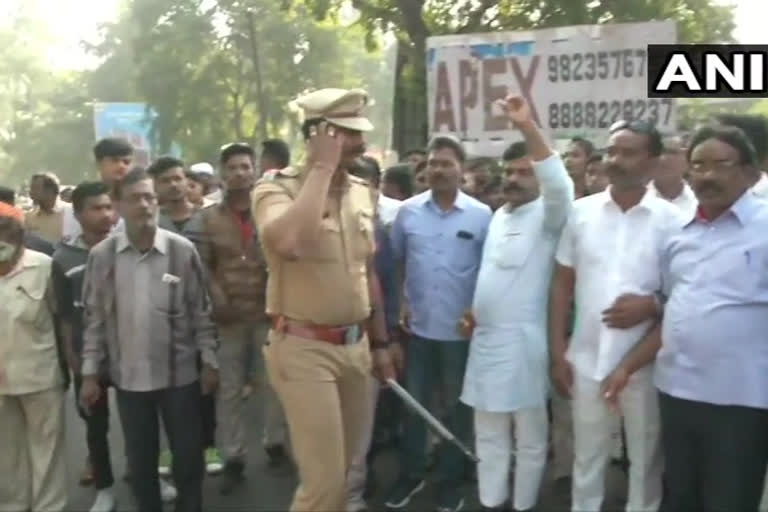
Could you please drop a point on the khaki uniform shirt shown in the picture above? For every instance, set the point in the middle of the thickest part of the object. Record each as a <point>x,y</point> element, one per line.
<point>328,285</point>
<point>29,360</point>
<point>48,226</point>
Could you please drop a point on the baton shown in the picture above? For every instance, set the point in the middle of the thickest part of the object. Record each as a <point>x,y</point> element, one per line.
<point>433,422</point>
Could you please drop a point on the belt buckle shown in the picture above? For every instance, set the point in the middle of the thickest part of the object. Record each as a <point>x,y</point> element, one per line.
<point>351,334</point>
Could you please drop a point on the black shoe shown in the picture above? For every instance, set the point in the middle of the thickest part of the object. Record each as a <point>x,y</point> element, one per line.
<point>449,499</point>
<point>501,508</point>
<point>276,455</point>
<point>231,477</point>
<point>402,492</point>
<point>370,484</point>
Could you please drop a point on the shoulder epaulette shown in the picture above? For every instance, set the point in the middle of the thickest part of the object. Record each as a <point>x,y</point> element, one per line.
<point>358,181</point>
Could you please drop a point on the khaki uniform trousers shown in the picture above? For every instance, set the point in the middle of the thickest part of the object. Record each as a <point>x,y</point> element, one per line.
<point>33,470</point>
<point>325,394</point>
<point>230,406</point>
<point>358,469</point>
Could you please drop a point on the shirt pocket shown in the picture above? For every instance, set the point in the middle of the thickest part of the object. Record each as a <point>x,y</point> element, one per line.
<point>741,272</point>
<point>327,246</point>
<point>28,304</point>
<point>165,298</point>
<point>365,242</point>
<point>464,253</point>
<point>512,249</point>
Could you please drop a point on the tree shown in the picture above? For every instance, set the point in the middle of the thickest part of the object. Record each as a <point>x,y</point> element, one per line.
<point>224,71</point>
<point>413,21</point>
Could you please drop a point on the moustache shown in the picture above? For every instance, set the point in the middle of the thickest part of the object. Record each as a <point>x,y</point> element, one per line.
<point>708,186</point>
<point>512,188</point>
<point>615,169</point>
<point>357,150</point>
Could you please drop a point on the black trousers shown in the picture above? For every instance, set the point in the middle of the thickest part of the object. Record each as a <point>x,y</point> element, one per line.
<point>179,409</point>
<point>715,456</point>
<point>208,411</point>
<point>96,430</point>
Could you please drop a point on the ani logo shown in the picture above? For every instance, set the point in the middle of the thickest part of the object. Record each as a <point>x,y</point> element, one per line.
<point>707,71</point>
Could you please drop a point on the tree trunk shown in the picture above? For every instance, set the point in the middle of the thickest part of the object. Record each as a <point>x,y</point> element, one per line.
<point>409,126</point>
<point>261,98</point>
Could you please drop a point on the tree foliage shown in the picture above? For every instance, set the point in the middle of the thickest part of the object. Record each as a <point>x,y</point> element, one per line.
<point>194,63</point>
<point>217,71</point>
<point>413,21</point>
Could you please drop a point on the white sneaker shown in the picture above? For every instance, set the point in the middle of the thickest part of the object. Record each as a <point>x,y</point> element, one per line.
<point>105,501</point>
<point>167,492</point>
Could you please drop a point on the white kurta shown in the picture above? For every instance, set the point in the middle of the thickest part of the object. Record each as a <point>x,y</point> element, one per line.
<point>508,365</point>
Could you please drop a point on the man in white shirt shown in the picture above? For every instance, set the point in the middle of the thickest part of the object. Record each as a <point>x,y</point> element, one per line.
<point>669,182</point>
<point>506,377</point>
<point>608,256</point>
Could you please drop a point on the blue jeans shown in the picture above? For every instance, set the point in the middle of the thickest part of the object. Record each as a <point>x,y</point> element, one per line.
<point>436,366</point>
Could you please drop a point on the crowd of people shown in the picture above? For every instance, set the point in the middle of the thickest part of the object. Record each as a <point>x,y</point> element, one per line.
<point>603,304</point>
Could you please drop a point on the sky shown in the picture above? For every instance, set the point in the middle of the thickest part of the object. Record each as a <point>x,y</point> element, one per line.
<point>71,21</point>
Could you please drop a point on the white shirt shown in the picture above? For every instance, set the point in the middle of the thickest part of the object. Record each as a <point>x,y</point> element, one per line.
<point>760,189</point>
<point>685,200</point>
<point>508,362</point>
<point>612,253</point>
<point>388,209</point>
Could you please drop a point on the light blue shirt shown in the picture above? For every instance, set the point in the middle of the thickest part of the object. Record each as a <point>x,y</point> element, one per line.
<point>715,328</point>
<point>441,251</point>
<point>508,365</point>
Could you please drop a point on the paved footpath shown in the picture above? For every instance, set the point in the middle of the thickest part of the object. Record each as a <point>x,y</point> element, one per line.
<point>267,489</point>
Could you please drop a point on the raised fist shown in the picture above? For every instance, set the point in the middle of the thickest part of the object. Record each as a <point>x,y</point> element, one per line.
<point>516,108</point>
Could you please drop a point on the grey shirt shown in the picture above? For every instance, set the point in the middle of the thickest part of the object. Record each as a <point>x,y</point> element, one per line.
<point>148,313</point>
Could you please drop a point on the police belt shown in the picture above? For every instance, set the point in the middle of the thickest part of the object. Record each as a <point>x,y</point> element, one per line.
<point>333,334</point>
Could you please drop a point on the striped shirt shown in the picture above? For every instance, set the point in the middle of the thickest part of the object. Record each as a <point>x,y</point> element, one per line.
<point>147,313</point>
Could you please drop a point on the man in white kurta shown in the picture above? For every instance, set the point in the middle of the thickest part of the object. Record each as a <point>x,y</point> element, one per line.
<point>507,376</point>
<point>609,256</point>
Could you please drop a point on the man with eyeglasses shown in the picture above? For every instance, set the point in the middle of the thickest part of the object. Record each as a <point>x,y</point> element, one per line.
<point>711,351</point>
<point>608,257</point>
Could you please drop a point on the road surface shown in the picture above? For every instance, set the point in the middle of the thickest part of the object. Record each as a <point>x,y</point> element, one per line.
<point>267,489</point>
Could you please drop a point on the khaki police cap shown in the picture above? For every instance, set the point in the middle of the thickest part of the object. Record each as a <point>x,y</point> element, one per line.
<point>342,107</point>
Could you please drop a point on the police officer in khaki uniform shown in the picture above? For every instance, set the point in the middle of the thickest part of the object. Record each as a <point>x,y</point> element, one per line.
<point>316,227</point>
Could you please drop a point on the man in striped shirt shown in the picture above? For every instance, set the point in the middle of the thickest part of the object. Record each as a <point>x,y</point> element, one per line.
<point>151,332</point>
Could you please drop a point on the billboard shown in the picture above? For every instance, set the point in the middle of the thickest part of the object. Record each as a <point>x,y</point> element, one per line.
<point>578,81</point>
<point>130,121</point>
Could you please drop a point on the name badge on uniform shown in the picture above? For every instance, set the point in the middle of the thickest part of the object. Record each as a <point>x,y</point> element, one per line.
<point>171,279</point>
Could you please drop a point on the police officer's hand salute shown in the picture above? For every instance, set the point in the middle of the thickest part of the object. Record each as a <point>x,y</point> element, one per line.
<point>324,147</point>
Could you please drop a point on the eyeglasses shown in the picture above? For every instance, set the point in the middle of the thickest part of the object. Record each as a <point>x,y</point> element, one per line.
<point>637,126</point>
<point>719,166</point>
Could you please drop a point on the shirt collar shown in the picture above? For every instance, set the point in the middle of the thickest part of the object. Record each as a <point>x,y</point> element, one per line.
<point>80,242</point>
<point>743,209</point>
<point>160,244</point>
<point>686,192</point>
<point>26,261</point>
<point>646,202</point>
<point>461,203</point>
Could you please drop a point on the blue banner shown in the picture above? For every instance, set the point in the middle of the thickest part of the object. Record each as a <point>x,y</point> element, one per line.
<point>130,121</point>
<point>133,122</point>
